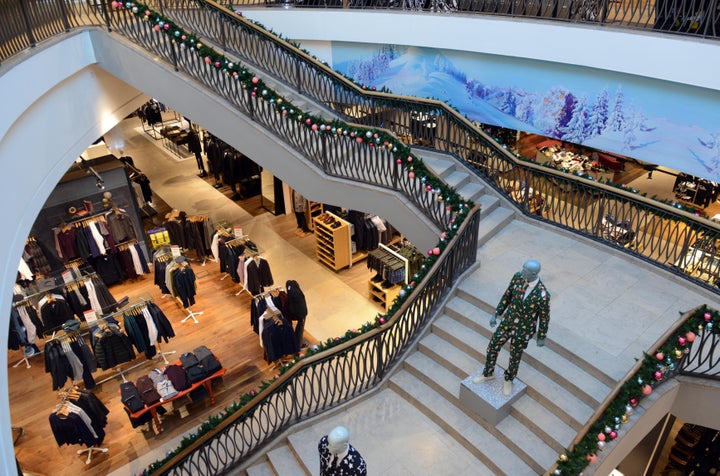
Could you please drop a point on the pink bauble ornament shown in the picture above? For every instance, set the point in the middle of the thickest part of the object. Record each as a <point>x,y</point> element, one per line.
<point>217,64</point>
<point>398,161</point>
<point>255,79</point>
<point>208,60</point>
<point>409,159</point>
<point>147,13</point>
<point>308,121</point>
<point>156,28</point>
<point>382,320</point>
<point>114,4</point>
<point>647,389</point>
<point>166,26</point>
<point>592,458</point>
<point>359,140</point>
<point>314,127</point>
<point>633,401</point>
<point>601,436</point>
<point>682,341</point>
<point>659,356</point>
<point>430,252</point>
<point>428,188</point>
<point>436,251</point>
<point>690,336</point>
<point>183,37</point>
<point>411,175</point>
<point>707,316</point>
<point>443,235</point>
<point>658,375</point>
<point>613,435</point>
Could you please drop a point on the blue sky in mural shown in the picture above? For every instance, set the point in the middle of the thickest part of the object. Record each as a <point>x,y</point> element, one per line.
<point>655,121</point>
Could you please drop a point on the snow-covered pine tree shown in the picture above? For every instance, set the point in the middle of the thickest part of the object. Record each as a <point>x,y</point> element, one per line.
<point>576,129</point>
<point>617,117</point>
<point>598,116</point>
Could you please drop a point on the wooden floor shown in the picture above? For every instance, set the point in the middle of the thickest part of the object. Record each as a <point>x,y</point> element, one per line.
<point>224,328</point>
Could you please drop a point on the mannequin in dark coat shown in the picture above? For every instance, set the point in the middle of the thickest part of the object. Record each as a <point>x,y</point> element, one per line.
<point>297,308</point>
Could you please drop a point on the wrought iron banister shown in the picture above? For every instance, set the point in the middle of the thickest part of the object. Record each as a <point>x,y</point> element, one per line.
<point>688,347</point>
<point>656,232</point>
<point>328,378</point>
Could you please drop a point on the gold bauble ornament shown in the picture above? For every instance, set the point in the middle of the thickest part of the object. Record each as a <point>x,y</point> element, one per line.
<point>563,457</point>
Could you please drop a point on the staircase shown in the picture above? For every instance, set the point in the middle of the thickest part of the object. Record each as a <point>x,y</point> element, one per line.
<point>563,389</point>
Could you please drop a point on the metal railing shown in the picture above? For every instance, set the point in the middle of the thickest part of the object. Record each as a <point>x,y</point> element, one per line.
<point>656,232</point>
<point>329,378</point>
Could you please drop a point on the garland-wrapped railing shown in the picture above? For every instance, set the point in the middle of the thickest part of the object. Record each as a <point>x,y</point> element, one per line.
<point>329,378</point>
<point>689,347</point>
<point>654,231</point>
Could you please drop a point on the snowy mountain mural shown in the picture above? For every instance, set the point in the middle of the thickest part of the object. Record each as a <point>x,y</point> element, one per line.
<point>608,111</point>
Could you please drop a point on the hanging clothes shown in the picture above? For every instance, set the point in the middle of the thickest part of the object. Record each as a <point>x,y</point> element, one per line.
<point>184,284</point>
<point>277,336</point>
<point>111,346</point>
<point>80,418</point>
<point>257,274</point>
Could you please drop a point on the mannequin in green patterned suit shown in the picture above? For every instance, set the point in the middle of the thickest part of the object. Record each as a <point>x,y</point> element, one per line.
<point>525,309</point>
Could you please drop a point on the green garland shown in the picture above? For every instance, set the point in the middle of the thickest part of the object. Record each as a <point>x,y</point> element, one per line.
<point>649,376</point>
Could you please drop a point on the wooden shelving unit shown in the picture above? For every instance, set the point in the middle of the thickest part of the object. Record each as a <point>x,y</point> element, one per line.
<point>332,245</point>
<point>383,296</point>
<point>313,209</point>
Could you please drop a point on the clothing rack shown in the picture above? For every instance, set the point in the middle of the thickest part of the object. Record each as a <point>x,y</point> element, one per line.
<point>81,280</point>
<point>395,256</point>
<point>268,291</point>
<point>65,395</point>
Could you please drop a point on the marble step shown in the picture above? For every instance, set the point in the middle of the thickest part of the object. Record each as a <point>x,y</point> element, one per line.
<point>457,179</point>
<point>285,463</point>
<point>471,191</point>
<point>492,222</point>
<point>539,419</point>
<point>527,446</point>
<point>262,468</point>
<point>551,393</point>
<point>440,164</point>
<point>570,371</point>
<point>473,297</point>
<point>494,457</point>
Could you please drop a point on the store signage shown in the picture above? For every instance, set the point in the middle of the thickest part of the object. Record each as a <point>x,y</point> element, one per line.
<point>175,250</point>
<point>90,316</point>
<point>238,231</point>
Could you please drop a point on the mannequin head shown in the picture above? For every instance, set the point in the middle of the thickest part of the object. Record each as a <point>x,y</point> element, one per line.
<point>338,440</point>
<point>531,270</point>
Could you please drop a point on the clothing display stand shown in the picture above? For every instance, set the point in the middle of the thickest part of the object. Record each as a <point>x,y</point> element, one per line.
<point>162,354</point>
<point>191,315</point>
<point>89,451</point>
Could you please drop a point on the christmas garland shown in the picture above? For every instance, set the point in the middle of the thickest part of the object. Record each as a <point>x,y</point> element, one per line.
<point>410,164</point>
<point>649,376</point>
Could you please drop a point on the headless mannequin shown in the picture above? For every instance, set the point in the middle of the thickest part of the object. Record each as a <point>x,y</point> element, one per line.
<point>523,312</point>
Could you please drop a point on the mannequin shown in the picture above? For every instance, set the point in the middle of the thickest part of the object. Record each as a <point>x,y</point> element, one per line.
<point>337,455</point>
<point>526,304</point>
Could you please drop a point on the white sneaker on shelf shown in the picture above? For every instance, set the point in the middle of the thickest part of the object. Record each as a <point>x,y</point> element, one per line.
<point>481,378</point>
<point>507,387</point>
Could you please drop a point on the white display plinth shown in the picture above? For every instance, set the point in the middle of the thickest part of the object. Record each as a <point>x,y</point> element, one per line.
<point>487,399</point>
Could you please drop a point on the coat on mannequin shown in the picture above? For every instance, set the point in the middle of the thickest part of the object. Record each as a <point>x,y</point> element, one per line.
<point>337,455</point>
<point>524,309</point>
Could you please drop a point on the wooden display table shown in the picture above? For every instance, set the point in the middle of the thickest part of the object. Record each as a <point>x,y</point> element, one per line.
<point>206,382</point>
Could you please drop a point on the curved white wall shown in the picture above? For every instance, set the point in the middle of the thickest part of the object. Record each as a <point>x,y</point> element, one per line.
<point>642,53</point>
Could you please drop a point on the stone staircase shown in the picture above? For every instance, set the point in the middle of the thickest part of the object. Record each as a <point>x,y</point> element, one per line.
<point>563,389</point>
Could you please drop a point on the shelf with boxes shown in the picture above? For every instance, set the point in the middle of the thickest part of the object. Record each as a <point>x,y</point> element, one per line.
<point>332,241</point>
